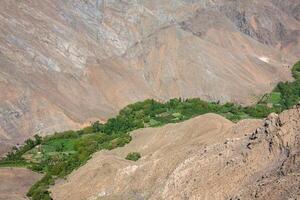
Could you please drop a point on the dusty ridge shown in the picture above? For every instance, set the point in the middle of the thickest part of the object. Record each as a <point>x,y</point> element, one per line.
<point>207,157</point>
<point>65,63</point>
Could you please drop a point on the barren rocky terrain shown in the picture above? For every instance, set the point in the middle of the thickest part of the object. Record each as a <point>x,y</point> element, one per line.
<point>207,157</point>
<point>66,63</point>
<point>15,183</point>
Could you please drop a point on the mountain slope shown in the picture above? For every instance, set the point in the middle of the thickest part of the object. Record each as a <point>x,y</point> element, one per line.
<point>65,63</point>
<point>16,183</point>
<point>205,157</point>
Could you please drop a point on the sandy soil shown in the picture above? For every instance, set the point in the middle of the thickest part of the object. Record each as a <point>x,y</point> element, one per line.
<point>15,183</point>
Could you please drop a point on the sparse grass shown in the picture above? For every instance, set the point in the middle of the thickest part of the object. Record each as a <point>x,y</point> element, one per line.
<point>21,164</point>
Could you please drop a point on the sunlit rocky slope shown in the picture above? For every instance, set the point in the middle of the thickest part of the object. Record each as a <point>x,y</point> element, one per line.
<point>207,157</point>
<point>65,63</point>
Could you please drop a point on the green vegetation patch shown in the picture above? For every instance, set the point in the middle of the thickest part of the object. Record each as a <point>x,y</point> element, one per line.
<point>59,145</point>
<point>273,98</point>
<point>134,156</point>
<point>22,164</point>
<point>296,70</point>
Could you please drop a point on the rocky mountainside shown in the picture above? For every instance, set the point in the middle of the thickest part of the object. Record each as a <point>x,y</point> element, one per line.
<point>65,63</point>
<point>207,157</point>
<point>16,183</point>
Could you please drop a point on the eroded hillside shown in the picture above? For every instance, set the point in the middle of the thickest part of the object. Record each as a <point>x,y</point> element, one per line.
<point>15,182</point>
<point>64,63</point>
<point>207,157</point>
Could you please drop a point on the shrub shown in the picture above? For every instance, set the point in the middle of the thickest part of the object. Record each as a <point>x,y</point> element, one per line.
<point>39,191</point>
<point>134,156</point>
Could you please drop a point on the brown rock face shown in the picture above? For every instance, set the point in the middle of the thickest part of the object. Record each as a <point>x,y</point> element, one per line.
<point>207,157</point>
<point>64,63</point>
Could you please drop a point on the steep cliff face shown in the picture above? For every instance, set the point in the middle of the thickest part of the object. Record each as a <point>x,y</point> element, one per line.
<point>65,63</point>
<point>207,157</point>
